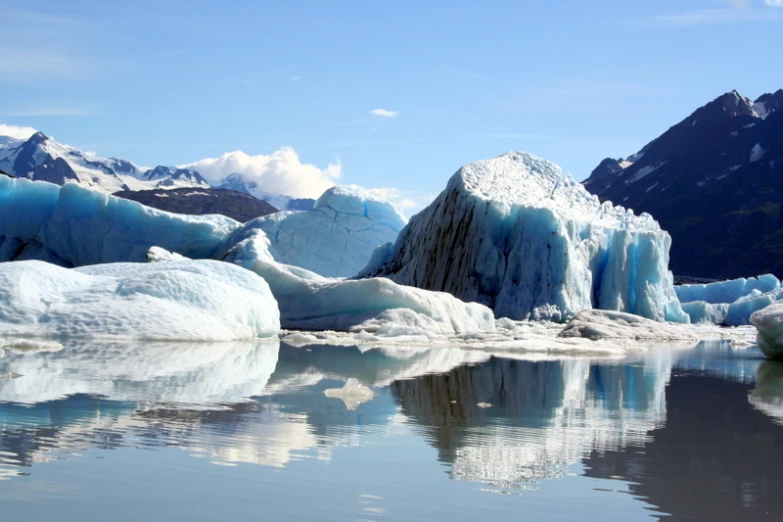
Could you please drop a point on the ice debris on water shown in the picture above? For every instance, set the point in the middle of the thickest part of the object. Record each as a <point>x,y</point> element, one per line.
<point>353,393</point>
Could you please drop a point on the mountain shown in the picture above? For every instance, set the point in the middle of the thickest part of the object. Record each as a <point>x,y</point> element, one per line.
<point>241,183</point>
<point>236,205</point>
<point>714,181</point>
<point>27,153</point>
<point>39,157</point>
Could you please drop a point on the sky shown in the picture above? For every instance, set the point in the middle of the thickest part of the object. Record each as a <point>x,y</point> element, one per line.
<point>394,96</point>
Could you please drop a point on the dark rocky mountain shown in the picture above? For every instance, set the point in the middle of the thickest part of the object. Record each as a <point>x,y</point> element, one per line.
<point>197,201</point>
<point>714,181</point>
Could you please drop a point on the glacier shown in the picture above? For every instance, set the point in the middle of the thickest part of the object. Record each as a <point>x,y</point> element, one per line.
<point>516,234</point>
<point>334,239</point>
<point>177,300</point>
<point>729,303</point>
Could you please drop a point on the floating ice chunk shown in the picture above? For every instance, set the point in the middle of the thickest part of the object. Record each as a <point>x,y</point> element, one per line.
<point>731,302</point>
<point>608,324</point>
<point>178,300</point>
<point>516,234</point>
<point>309,301</point>
<point>31,346</point>
<point>335,239</point>
<point>769,324</point>
<point>726,291</point>
<point>352,394</point>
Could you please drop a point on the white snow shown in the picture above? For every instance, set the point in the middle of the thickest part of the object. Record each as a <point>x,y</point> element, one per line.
<point>516,234</point>
<point>760,109</point>
<point>757,152</point>
<point>769,323</point>
<point>335,239</point>
<point>644,172</point>
<point>651,187</point>
<point>177,300</point>
<point>734,167</point>
<point>749,125</point>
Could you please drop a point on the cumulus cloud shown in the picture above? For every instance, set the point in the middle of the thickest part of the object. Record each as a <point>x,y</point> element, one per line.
<point>18,133</point>
<point>406,203</point>
<point>281,172</point>
<point>383,113</point>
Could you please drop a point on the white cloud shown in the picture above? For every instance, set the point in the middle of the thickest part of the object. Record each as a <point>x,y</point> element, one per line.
<point>19,133</point>
<point>774,3</point>
<point>737,11</point>
<point>295,78</point>
<point>406,203</point>
<point>384,113</point>
<point>281,172</point>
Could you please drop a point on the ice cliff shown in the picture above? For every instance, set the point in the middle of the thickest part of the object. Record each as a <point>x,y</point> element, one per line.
<point>516,234</point>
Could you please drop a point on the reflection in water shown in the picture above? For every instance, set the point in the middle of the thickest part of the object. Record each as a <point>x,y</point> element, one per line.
<point>669,421</point>
<point>544,416</point>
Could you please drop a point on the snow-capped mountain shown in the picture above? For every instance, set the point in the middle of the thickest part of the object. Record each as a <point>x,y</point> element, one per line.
<point>714,181</point>
<point>42,158</point>
<point>26,152</point>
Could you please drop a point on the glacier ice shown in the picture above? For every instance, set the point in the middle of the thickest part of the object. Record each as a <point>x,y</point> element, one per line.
<point>769,325</point>
<point>177,300</point>
<point>518,235</point>
<point>335,239</point>
<point>75,226</point>
<point>310,301</point>
<point>729,303</point>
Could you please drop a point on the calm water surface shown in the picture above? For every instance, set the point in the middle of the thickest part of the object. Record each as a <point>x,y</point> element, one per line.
<point>245,432</point>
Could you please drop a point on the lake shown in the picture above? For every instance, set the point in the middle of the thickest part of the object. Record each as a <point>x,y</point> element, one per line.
<point>260,431</point>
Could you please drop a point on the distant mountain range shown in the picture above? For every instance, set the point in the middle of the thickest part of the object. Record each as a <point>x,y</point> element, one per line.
<point>39,157</point>
<point>714,181</point>
<point>198,201</point>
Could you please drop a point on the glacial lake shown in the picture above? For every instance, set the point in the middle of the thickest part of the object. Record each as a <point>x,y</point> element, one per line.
<point>238,431</point>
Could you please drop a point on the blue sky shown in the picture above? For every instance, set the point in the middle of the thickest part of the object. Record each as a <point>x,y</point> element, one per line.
<point>171,82</point>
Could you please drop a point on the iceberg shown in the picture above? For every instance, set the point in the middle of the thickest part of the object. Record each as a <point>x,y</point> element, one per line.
<point>74,226</point>
<point>729,303</point>
<point>335,239</point>
<point>309,301</point>
<point>176,300</point>
<point>769,325</point>
<point>516,234</point>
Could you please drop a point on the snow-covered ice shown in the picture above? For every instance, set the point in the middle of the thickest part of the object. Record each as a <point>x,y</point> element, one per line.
<point>177,300</point>
<point>769,324</point>
<point>335,239</point>
<point>518,235</point>
<point>312,302</point>
<point>353,393</point>
<point>610,324</point>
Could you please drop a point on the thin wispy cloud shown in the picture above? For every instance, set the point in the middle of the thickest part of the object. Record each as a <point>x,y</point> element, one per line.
<point>295,78</point>
<point>734,11</point>
<point>508,136</point>
<point>383,113</point>
<point>49,107</point>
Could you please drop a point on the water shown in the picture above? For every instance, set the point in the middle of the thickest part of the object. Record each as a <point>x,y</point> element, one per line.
<point>237,431</point>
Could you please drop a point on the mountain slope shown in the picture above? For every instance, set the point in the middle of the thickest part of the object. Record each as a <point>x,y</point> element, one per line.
<point>236,205</point>
<point>714,181</point>
<point>39,157</point>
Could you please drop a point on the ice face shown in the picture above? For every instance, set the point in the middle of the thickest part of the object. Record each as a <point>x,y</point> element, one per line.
<point>335,239</point>
<point>731,302</point>
<point>516,234</point>
<point>769,323</point>
<point>176,300</point>
<point>75,226</point>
